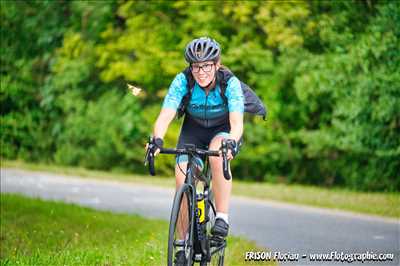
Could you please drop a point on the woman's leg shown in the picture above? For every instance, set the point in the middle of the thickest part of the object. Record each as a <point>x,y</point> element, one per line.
<point>182,224</point>
<point>221,187</point>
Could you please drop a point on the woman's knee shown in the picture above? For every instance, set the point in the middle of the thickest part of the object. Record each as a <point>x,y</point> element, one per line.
<point>216,162</point>
<point>215,143</point>
<point>180,170</point>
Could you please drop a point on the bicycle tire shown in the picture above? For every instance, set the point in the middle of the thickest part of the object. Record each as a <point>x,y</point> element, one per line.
<point>184,191</point>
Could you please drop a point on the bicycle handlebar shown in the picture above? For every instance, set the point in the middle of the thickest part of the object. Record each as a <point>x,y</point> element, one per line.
<point>189,149</point>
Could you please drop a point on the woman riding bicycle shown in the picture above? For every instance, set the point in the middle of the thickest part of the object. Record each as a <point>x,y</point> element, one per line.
<point>208,120</point>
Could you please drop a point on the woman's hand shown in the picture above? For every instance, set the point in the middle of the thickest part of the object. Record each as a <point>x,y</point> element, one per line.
<point>231,149</point>
<point>155,145</point>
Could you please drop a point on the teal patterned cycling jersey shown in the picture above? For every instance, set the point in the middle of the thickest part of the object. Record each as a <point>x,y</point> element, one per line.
<point>204,106</point>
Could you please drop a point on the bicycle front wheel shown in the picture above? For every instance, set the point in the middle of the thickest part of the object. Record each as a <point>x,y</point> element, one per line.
<point>180,238</point>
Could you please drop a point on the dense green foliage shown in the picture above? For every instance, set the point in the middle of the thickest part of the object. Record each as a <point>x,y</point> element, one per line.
<point>329,73</point>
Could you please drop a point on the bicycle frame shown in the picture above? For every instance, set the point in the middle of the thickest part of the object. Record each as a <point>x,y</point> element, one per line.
<point>199,243</point>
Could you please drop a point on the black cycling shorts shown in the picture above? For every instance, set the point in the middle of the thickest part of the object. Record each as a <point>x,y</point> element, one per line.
<point>193,133</point>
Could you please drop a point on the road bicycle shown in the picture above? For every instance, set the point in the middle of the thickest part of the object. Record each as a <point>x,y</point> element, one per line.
<point>190,227</point>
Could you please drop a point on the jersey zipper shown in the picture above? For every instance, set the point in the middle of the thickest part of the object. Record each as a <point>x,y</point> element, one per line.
<point>205,110</point>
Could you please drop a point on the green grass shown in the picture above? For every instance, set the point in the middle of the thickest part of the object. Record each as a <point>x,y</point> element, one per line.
<point>36,232</point>
<point>381,204</point>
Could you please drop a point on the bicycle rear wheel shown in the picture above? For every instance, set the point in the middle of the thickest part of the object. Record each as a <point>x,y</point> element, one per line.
<point>180,236</point>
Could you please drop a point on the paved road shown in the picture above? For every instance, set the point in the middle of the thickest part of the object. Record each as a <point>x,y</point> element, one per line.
<point>280,227</point>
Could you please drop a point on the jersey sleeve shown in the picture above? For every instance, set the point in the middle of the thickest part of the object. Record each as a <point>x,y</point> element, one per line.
<point>235,95</point>
<point>176,91</point>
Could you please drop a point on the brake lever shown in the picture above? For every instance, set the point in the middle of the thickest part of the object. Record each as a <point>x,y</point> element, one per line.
<point>148,150</point>
<point>149,157</point>
<point>225,162</point>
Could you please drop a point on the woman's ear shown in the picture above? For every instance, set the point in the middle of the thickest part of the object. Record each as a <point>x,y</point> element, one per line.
<point>218,64</point>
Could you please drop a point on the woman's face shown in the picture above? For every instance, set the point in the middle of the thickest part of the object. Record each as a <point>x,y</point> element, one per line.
<point>204,72</point>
